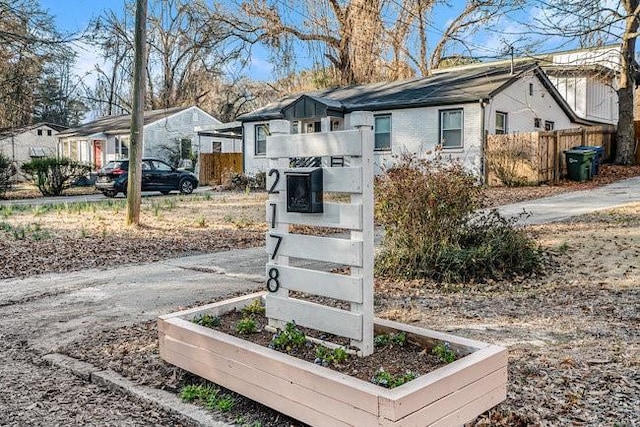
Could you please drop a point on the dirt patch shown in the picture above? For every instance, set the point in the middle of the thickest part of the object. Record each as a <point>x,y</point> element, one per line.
<point>68,237</point>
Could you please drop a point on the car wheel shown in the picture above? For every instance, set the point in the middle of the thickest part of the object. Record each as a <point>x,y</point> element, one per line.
<point>110,194</point>
<point>165,192</point>
<point>186,186</point>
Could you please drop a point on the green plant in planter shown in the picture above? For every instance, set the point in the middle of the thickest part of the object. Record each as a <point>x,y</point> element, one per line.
<point>444,352</point>
<point>383,340</point>
<point>247,326</point>
<point>254,309</point>
<point>207,320</point>
<point>289,338</point>
<point>326,356</point>
<point>386,379</point>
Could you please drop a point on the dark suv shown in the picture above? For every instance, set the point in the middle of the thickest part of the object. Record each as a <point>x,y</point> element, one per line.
<point>156,176</point>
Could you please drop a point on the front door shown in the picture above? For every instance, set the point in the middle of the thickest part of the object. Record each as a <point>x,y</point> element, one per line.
<point>97,153</point>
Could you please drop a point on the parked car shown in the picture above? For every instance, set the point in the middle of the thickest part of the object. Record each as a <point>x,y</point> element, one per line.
<point>156,176</point>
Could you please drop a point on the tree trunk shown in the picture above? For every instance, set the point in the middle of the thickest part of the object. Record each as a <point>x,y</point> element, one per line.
<point>136,138</point>
<point>625,143</point>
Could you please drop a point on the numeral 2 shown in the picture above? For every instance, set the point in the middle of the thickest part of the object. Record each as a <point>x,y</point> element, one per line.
<point>272,190</point>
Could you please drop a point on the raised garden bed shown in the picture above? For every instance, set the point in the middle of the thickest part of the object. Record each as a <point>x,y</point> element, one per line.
<point>450,395</point>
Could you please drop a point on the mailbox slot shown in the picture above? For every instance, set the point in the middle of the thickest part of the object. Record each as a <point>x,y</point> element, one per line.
<point>304,190</point>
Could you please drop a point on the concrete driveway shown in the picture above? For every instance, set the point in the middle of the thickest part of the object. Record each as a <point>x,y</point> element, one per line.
<point>567,205</point>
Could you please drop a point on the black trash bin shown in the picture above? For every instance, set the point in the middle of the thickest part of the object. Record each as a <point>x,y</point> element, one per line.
<point>579,164</point>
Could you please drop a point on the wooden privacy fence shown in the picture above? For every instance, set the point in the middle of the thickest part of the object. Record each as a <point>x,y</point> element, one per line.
<point>216,167</point>
<point>538,157</point>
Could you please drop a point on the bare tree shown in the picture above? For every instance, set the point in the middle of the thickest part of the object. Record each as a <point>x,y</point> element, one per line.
<point>596,23</point>
<point>348,34</point>
<point>186,43</point>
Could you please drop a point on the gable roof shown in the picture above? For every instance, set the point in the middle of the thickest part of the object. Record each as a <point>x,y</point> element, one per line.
<point>7,132</point>
<point>456,86</point>
<point>119,124</point>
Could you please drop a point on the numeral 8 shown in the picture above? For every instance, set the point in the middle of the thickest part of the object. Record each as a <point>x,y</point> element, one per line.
<point>272,282</point>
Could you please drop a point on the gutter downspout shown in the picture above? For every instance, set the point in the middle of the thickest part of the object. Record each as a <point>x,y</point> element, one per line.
<point>483,137</point>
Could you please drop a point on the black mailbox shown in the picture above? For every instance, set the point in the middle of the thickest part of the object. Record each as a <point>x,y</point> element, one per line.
<point>304,190</point>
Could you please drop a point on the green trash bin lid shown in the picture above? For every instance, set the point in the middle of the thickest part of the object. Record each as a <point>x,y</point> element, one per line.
<point>580,154</point>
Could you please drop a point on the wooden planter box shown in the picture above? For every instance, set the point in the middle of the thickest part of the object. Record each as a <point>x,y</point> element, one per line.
<point>448,396</point>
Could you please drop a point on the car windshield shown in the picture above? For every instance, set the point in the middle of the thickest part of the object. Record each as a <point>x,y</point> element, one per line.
<point>117,165</point>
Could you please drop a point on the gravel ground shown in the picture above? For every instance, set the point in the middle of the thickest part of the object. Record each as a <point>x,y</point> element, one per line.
<point>572,334</point>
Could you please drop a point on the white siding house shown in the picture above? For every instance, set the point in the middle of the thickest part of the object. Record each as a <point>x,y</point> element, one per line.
<point>27,142</point>
<point>107,138</point>
<point>450,110</point>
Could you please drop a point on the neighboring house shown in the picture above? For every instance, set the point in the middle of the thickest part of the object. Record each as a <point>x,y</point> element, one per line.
<point>165,132</point>
<point>450,110</point>
<point>586,78</point>
<point>31,141</point>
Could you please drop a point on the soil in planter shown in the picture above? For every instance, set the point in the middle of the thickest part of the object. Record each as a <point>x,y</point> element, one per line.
<point>392,357</point>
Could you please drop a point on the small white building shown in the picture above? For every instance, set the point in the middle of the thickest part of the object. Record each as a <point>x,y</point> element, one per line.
<point>220,138</point>
<point>31,141</point>
<point>451,110</point>
<point>107,138</point>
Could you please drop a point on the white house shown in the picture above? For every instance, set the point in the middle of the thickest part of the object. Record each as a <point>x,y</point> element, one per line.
<point>586,78</point>
<point>107,138</point>
<point>451,110</point>
<point>31,141</point>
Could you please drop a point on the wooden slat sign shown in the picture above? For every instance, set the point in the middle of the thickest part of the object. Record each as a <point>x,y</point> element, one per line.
<point>356,218</point>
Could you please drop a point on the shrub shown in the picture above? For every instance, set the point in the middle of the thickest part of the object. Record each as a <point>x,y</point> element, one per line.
<point>428,210</point>
<point>242,182</point>
<point>52,175</point>
<point>7,170</point>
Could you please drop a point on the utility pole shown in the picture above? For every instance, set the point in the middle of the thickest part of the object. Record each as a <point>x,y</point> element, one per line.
<point>136,137</point>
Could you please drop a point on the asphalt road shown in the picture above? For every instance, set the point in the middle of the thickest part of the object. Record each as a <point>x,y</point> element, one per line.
<point>87,198</point>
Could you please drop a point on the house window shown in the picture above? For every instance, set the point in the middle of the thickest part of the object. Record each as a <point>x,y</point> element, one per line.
<point>451,128</point>
<point>260,135</point>
<point>549,125</point>
<point>39,132</point>
<point>295,127</point>
<point>501,123</point>
<point>382,131</point>
<point>537,123</point>
<point>48,132</point>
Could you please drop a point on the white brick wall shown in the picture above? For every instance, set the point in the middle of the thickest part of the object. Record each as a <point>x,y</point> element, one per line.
<point>413,130</point>
<point>522,108</point>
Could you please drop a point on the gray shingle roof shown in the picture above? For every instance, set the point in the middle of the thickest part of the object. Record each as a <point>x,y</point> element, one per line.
<point>118,124</point>
<point>445,88</point>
